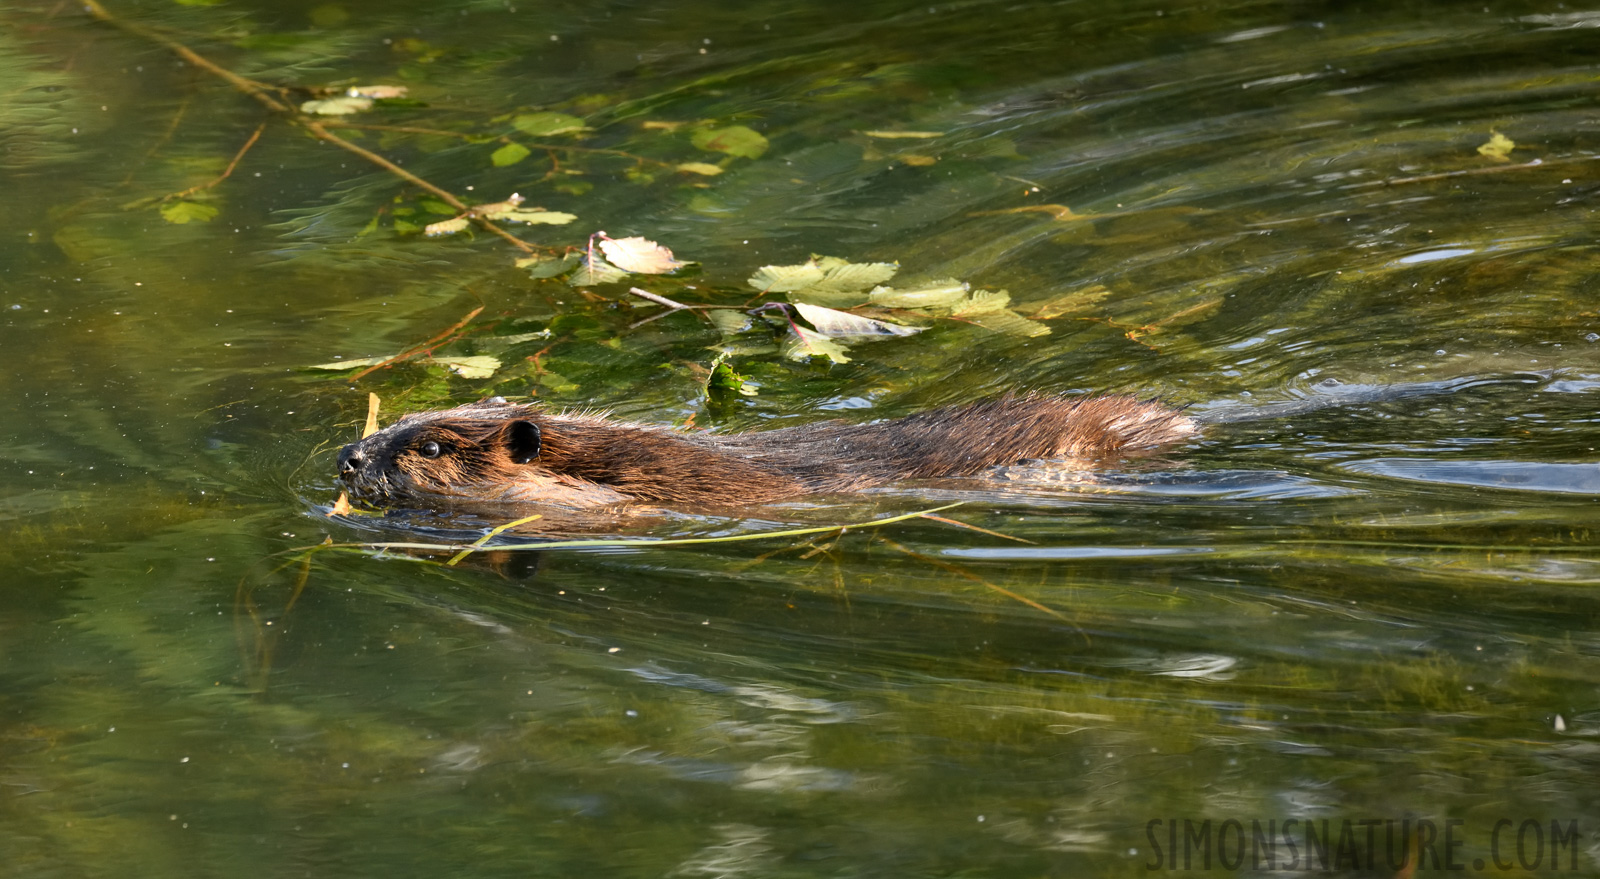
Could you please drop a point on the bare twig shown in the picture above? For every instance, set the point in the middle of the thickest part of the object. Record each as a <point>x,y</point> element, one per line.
<point>258,90</point>
<point>1477,172</point>
<point>960,524</point>
<point>963,572</point>
<point>226,172</point>
<point>172,128</point>
<point>657,298</point>
<point>424,347</point>
<point>644,542</point>
<point>273,99</point>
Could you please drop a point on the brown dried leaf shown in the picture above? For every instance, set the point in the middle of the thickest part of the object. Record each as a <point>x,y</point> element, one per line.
<point>638,255</point>
<point>371,426</point>
<point>341,507</point>
<point>376,92</point>
<point>842,324</point>
<point>342,365</point>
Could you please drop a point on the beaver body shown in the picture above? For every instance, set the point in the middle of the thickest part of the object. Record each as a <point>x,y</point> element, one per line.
<point>495,452</point>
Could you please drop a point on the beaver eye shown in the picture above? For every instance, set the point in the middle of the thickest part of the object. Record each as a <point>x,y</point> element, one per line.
<point>431,449</point>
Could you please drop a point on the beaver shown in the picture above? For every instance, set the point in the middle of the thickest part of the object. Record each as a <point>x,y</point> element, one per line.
<point>497,452</point>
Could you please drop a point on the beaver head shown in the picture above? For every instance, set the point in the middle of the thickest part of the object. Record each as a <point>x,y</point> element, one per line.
<point>460,452</point>
<point>497,452</point>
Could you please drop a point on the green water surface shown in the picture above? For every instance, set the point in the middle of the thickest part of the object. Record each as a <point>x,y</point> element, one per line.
<point>1370,612</point>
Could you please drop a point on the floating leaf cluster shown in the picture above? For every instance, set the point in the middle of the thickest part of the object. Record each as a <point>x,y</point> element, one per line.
<point>828,304</point>
<point>821,288</point>
<point>510,210</point>
<point>862,310</point>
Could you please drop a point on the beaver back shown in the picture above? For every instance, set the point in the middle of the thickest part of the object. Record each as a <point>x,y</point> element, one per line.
<point>498,452</point>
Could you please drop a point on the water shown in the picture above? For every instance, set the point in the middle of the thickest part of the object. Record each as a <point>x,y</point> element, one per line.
<point>1375,611</point>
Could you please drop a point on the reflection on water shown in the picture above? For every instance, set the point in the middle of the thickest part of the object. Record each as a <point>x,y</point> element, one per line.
<point>1374,609</point>
<point>1516,475</point>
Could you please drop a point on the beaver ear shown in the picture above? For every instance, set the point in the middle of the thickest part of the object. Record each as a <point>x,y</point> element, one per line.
<point>522,441</point>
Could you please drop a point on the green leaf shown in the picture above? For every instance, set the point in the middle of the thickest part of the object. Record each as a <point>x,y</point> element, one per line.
<point>942,293</point>
<point>735,140</point>
<point>435,206</point>
<point>982,302</point>
<point>823,280</point>
<point>181,212</point>
<point>545,124</point>
<point>558,383</point>
<point>510,154</point>
<point>540,266</point>
<point>547,218</point>
<point>845,276</point>
<point>481,366</point>
<point>1498,147</point>
<point>83,244</point>
<point>803,343</point>
<point>446,227</point>
<point>828,298</point>
<point>723,379</point>
<point>783,279</point>
<point>1067,303</point>
<point>594,270</point>
<point>342,106</point>
<point>729,321</point>
<point>1010,323</point>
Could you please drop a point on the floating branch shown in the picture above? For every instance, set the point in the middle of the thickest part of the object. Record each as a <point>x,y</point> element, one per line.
<point>275,99</point>
<point>627,541</point>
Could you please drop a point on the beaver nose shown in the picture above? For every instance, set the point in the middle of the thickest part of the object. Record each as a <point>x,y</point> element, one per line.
<point>350,460</point>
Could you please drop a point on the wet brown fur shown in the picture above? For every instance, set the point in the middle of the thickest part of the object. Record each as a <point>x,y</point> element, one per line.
<point>590,461</point>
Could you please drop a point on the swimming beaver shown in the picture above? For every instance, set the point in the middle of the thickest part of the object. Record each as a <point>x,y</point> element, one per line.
<point>499,452</point>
